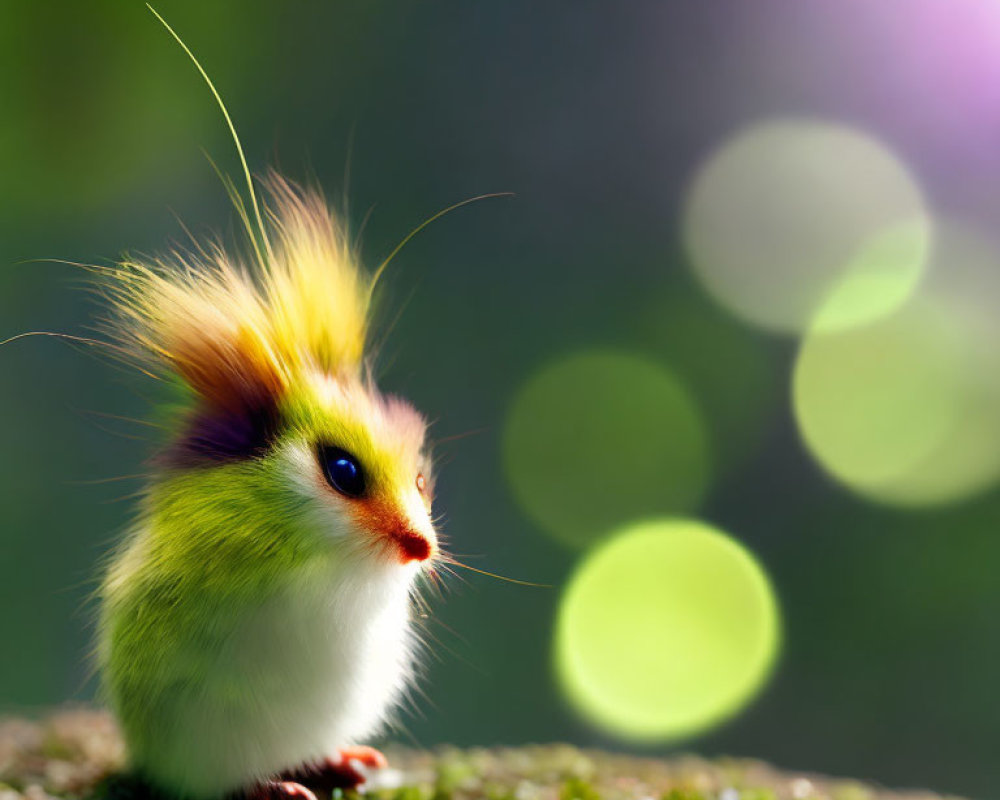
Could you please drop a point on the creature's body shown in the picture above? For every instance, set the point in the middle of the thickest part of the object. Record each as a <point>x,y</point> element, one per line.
<point>257,620</point>
<point>239,691</point>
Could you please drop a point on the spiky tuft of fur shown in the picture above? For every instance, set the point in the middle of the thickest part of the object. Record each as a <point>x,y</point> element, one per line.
<point>240,333</point>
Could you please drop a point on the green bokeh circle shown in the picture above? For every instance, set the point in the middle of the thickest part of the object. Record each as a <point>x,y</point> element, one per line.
<point>875,402</point>
<point>906,410</point>
<point>602,437</point>
<point>665,630</point>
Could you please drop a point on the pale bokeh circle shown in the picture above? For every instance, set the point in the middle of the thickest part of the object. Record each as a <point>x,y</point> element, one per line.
<point>601,437</point>
<point>666,629</point>
<point>781,213</point>
<point>907,410</point>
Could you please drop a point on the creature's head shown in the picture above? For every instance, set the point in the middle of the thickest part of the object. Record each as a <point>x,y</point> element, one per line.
<point>285,442</point>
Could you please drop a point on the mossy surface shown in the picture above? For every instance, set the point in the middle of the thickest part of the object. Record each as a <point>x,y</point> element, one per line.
<point>78,754</point>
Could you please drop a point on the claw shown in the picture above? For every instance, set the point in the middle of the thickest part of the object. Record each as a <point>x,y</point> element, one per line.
<point>367,756</point>
<point>282,790</point>
<point>342,770</point>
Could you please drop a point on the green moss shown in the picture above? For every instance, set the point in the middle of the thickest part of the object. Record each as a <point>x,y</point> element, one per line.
<point>78,754</point>
<point>578,789</point>
<point>451,774</point>
<point>495,792</point>
<point>852,791</point>
<point>411,793</point>
<point>56,748</point>
<point>685,794</point>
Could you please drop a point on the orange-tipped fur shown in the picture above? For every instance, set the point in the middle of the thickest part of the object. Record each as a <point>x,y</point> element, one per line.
<point>236,333</point>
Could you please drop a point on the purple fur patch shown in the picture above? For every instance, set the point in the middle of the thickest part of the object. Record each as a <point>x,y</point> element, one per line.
<point>214,436</point>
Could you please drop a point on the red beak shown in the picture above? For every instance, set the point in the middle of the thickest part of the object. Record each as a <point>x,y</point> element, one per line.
<point>412,546</point>
<point>387,522</point>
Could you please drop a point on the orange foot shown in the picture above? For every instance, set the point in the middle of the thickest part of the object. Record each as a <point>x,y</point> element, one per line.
<point>282,790</point>
<point>339,771</point>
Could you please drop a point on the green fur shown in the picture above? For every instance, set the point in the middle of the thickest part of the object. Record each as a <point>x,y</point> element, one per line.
<point>216,542</point>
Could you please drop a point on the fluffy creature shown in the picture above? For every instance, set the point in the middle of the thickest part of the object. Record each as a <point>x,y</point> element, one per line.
<point>256,624</point>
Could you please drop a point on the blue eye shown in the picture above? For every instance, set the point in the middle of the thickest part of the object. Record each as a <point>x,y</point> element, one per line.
<point>343,471</point>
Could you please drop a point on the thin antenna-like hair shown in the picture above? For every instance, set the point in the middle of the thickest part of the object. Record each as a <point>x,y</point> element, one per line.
<point>261,230</point>
<point>240,335</point>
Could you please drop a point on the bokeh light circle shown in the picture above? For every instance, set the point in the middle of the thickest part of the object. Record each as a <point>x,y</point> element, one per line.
<point>906,410</point>
<point>781,213</point>
<point>602,437</point>
<point>874,402</point>
<point>666,629</point>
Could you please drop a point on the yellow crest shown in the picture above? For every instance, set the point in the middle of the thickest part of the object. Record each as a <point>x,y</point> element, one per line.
<point>234,331</point>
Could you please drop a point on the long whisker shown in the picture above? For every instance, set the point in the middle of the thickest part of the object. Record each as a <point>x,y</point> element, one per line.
<point>98,268</point>
<point>445,568</point>
<point>68,337</point>
<point>435,583</point>
<point>124,497</point>
<point>115,479</point>
<point>464,435</point>
<point>133,420</point>
<point>54,334</point>
<point>452,561</point>
<point>424,224</point>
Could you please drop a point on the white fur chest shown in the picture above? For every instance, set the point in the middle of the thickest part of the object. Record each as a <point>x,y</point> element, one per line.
<point>314,668</point>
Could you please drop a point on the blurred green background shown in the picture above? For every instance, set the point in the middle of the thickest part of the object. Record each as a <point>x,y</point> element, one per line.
<point>748,277</point>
